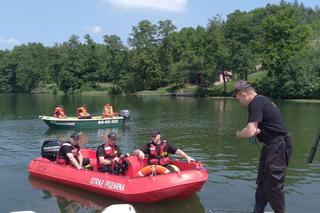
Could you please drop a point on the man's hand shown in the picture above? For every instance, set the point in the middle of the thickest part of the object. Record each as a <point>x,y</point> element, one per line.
<point>190,159</point>
<point>115,159</point>
<point>238,134</point>
<point>257,131</point>
<point>250,130</point>
<point>141,155</point>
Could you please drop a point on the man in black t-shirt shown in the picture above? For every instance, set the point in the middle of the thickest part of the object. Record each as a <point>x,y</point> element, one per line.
<point>158,151</point>
<point>265,122</point>
<point>69,152</point>
<point>108,154</point>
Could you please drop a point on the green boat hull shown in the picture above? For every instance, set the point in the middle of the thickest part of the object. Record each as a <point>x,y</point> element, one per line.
<point>75,123</point>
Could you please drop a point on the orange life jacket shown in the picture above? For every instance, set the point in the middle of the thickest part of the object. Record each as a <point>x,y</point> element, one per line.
<point>82,112</point>
<point>158,153</point>
<point>108,111</point>
<point>59,113</point>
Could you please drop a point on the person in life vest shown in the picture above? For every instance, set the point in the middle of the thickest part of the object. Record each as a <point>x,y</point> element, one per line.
<point>109,156</point>
<point>108,111</point>
<point>82,112</point>
<point>158,151</point>
<point>70,154</point>
<point>59,112</point>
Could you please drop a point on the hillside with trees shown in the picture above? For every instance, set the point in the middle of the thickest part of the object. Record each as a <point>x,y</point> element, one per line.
<point>284,39</point>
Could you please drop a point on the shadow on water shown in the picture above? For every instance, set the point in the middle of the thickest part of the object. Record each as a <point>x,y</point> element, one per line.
<point>72,200</point>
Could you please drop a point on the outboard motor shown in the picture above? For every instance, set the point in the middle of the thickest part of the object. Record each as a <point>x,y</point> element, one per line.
<point>125,114</point>
<point>50,149</point>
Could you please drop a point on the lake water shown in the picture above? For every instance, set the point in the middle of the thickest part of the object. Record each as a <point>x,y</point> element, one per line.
<point>204,128</point>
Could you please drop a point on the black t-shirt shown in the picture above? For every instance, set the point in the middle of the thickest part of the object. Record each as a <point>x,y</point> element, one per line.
<point>169,148</point>
<point>65,149</point>
<point>268,116</point>
<point>101,152</point>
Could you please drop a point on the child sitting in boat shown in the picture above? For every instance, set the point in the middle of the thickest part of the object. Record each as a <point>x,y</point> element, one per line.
<point>59,112</point>
<point>108,111</point>
<point>109,156</point>
<point>82,112</point>
<point>158,151</point>
<point>70,154</point>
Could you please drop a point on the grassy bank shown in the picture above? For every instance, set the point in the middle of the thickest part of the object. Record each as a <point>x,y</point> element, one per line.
<point>170,90</point>
<point>313,101</point>
<point>215,91</point>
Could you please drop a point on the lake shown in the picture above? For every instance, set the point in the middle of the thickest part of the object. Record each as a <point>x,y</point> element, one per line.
<point>202,127</point>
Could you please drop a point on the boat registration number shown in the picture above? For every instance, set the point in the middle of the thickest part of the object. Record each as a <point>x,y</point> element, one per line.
<point>108,122</point>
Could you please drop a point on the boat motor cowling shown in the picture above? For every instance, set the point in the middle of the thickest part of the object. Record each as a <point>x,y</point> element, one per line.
<point>125,114</point>
<point>50,149</point>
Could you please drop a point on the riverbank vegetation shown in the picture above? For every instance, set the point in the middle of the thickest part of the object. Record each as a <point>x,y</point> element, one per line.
<point>275,47</point>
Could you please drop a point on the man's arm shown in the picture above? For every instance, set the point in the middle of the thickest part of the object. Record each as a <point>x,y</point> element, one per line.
<point>104,161</point>
<point>250,130</point>
<point>80,158</point>
<point>73,160</point>
<point>100,155</point>
<point>184,155</point>
<point>139,154</point>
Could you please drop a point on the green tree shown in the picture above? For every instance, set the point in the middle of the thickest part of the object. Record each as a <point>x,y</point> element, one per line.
<point>7,72</point>
<point>242,35</point>
<point>165,30</point>
<point>216,50</point>
<point>72,70</point>
<point>115,60</point>
<point>144,58</point>
<point>189,54</point>
<point>284,37</point>
<point>31,66</point>
<point>301,75</point>
<point>90,62</point>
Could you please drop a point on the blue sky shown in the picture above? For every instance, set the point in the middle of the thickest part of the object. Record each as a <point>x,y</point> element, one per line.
<point>54,21</point>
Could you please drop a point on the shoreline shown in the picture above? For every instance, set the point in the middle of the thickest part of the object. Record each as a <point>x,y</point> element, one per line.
<point>168,94</point>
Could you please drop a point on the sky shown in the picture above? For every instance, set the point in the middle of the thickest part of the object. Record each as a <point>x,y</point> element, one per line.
<point>54,21</point>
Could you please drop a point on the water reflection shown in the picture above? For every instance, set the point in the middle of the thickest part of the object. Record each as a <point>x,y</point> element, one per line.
<point>70,200</point>
<point>73,200</point>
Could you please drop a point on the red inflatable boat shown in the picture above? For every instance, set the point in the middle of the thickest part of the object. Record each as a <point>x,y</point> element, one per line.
<point>131,187</point>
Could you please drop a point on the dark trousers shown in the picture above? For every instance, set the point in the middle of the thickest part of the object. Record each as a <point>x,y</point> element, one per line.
<point>274,160</point>
<point>106,168</point>
<point>86,117</point>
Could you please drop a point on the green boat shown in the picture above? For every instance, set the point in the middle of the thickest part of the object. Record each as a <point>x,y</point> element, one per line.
<point>95,122</point>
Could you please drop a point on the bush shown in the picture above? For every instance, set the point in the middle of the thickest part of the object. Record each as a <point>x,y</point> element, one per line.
<point>216,90</point>
<point>115,90</point>
<point>176,87</point>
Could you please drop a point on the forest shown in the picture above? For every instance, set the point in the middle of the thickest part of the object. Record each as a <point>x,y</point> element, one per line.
<point>278,44</point>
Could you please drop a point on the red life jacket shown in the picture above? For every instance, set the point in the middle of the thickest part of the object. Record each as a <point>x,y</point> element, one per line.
<point>158,153</point>
<point>109,153</point>
<point>59,113</point>
<point>75,151</point>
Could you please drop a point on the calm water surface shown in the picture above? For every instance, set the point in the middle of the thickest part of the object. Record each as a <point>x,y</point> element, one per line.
<point>204,128</point>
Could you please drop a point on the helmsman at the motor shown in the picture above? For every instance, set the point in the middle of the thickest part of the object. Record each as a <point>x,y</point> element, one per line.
<point>265,122</point>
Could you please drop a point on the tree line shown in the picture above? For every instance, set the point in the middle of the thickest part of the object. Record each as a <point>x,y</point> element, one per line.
<point>283,39</point>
